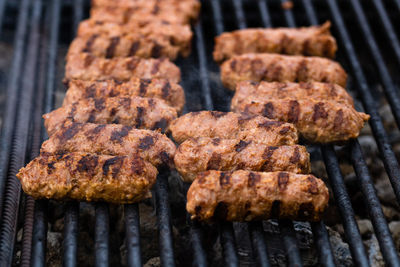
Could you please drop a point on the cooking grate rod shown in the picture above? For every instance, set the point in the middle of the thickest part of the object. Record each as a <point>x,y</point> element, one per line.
<point>47,67</point>
<point>378,220</point>
<point>258,242</point>
<point>342,200</point>
<point>228,244</point>
<point>166,246</point>
<point>384,16</point>
<point>101,238</point>
<point>132,229</point>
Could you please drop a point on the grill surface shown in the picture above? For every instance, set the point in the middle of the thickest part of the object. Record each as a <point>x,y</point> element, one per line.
<point>33,81</point>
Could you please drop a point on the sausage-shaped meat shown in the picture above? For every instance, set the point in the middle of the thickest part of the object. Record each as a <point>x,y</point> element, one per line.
<point>177,34</point>
<point>246,196</point>
<point>307,41</point>
<point>280,68</point>
<point>317,121</point>
<point>88,177</point>
<point>122,15</point>
<point>112,139</point>
<point>135,111</point>
<point>229,125</point>
<point>201,154</point>
<point>133,44</point>
<point>171,93</point>
<point>84,66</point>
<point>302,90</point>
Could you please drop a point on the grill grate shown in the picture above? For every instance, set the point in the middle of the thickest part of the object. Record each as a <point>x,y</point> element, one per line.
<point>33,94</point>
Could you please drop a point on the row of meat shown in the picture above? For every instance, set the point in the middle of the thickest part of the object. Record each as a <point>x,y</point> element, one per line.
<point>106,141</point>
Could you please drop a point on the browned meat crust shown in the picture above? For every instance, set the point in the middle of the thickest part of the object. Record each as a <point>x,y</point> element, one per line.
<point>201,154</point>
<point>135,111</point>
<point>303,90</point>
<point>317,121</point>
<point>88,177</point>
<point>84,66</point>
<point>171,93</point>
<point>245,196</point>
<point>182,12</point>
<point>133,44</point>
<point>177,35</point>
<point>112,139</point>
<point>308,41</point>
<point>280,68</point>
<point>229,125</point>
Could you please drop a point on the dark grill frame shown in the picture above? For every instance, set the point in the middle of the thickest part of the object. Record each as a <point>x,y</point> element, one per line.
<point>22,135</point>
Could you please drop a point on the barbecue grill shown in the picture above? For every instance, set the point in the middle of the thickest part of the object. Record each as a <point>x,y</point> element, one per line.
<point>369,50</point>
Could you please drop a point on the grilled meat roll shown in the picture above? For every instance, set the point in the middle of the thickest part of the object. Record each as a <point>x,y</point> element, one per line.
<point>229,125</point>
<point>280,68</point>
<point>148,11</point>
<point>308,41</point>
<point>201,154</point>
<point>246,196</point>
<point>317,121</point>
<point>303,90</point>
<point>135,111</point>
<point>84,66</point>
<point>133,44</point>
<point>178,35</point>
<point>171,93</point>
<point>88,177</point>
<point>111,139</point>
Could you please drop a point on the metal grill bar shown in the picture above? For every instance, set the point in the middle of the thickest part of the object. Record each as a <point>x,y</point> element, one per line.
<point>166,246</point>
<point>228,244</point>
<point>48,55</point>
<point>196,237</point>
<point>132,229</point>
<point>394,41</point>
<point>12,96</point>
<point>289,240</point>
<point>374,207</point>
<point>342,200</point>
<point>389,158</point>
<point>71,217</point>
<point>321,239</point>
<point>258,242</point>
<point>101,235</point>
<point>71,229</point>
<point>201,51</point>
<point>20,141</point>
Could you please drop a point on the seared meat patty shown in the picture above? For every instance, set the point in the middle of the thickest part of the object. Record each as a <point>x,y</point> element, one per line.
<point>197,155</point>
<point>88,177</point>
<point>135,111</point>
<point>317,121</point>
<point>85,66</point>
<point>133,44</point>
<point>178,35</point>
<point>229,125</point>
<point>171,93</point>
<point>111,139</point>
<point>148,10</point>
<point>246,195</point>
<point>308,41</point>
<point>303,90</point>
<point>280,68</point>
